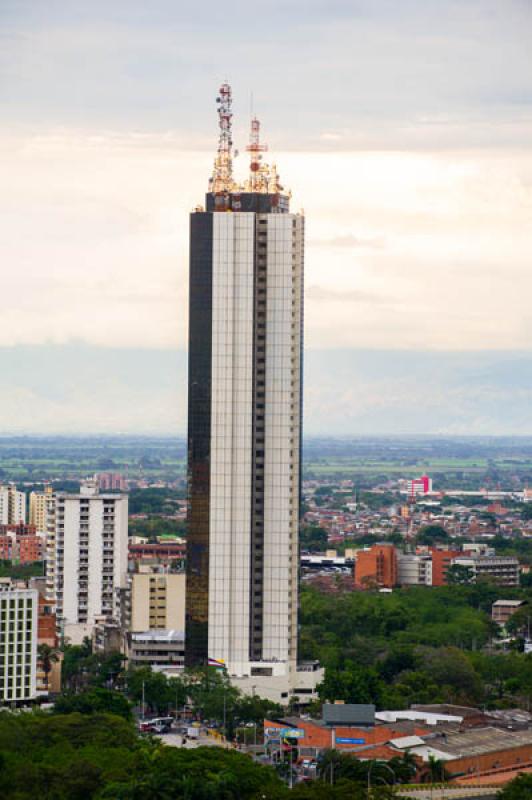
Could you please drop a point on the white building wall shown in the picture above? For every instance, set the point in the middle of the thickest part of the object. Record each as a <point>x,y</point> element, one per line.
<point>4,505</point>
<point>414,570</point>
<point>231,438</point>
<point>94,599</point>
<point>18,507</point>
<point>67,549</point>
<point>12,505</point>
<point>282,425</point>
<point>18,615</point>
<point>68,552</point>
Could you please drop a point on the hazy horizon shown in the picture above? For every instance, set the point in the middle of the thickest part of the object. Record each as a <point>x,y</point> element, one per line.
<point>84,388</point>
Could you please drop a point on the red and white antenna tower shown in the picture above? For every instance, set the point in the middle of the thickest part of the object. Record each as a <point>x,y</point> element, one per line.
<point>222,176</point>
<point>258,181</point>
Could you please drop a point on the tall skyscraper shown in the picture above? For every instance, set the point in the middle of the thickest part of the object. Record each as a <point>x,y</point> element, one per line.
<point>86,556</point>
<point>244,424</point>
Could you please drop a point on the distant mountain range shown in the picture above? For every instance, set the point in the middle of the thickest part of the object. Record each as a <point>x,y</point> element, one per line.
<point>77,388</point>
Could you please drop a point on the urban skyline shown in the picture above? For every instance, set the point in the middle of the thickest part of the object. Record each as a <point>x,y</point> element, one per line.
<point>323,589</point>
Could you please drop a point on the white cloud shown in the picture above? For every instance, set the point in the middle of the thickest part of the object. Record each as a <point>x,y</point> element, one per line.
<point>94,242</point>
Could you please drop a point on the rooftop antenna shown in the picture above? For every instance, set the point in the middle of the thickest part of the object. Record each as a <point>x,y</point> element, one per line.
<point>257,174</point>
<point>222,176</point>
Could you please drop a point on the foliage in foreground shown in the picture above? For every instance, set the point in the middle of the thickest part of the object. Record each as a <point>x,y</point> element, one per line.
<point>518,789</point>
<point>101,757</point>
<point>77,757</point>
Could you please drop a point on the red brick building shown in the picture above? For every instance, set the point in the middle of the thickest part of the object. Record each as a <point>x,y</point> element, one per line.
<point>376,566</point>
<point>441,561</point>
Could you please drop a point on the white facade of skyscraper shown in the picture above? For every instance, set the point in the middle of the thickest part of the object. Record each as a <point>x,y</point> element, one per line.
<point>236,342</point>
<point>87,556</point>
<point>18,644</point>
<point>244,431</point>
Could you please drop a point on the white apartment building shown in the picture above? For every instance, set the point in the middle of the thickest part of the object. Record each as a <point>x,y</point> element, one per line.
<point>18,643</point>
<point>12,505</point>
<point>87,556</point>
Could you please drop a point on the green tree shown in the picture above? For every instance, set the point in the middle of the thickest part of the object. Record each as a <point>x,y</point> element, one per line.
<point>47,656</point>
<point>313,538</point>
<point>352,684</point>
<point>430,534</point>
<point>435,771</point>
<point>159,693</point>
<point>460,575</point>
<point>518,789</point>
<point>94,701</point>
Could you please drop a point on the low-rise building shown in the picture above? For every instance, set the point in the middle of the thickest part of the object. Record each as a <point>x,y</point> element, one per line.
<point>165,553</point>
<point>503,610</point>
<point>160,649</point>
<point>48,670</point>
<point>476,751</point>
<point>503,570</point>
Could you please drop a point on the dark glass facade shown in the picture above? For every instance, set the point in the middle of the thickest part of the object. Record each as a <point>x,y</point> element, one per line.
<point>199,432</point>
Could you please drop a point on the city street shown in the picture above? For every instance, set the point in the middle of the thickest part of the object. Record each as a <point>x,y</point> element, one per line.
<point>450,793</point>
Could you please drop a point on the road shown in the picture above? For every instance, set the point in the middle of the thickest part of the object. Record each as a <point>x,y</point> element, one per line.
<point>450,793</point>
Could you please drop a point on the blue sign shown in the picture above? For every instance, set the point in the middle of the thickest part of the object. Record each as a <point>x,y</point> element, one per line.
<point>292,733</point>
<point>343,740</point>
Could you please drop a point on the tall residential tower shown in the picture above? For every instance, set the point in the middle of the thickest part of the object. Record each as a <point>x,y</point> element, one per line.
<point>244,424</point>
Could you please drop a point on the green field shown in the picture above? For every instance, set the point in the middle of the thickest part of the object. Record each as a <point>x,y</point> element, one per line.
<point>460,463</point>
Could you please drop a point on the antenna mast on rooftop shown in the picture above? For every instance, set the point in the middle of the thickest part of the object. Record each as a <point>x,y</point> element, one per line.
<point>258,174</point>
<point>222,176</point>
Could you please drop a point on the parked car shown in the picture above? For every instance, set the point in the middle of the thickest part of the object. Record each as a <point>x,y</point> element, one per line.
<point>146,727</point>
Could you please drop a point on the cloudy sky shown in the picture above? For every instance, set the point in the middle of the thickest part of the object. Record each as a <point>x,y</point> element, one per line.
<point>402,128</point>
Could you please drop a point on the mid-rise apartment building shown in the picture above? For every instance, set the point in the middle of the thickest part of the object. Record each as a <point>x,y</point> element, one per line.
<point>503,570</point>
<point>18,643</point>
<point>21,543</point>
<point>376,566</point>
<point>12,505</point>
<point>414,570</point>
<point>419,486</point>
<point>441,562</point>
<point>111,482</point>
<point>39,502</point>
<point>87,556</point>
<point>157,601</point>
